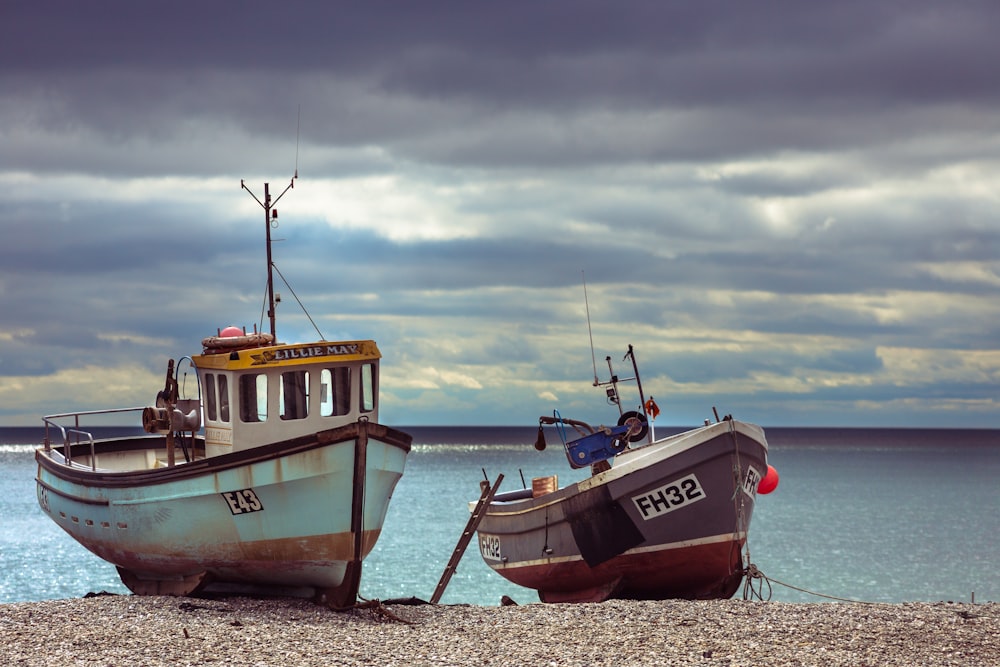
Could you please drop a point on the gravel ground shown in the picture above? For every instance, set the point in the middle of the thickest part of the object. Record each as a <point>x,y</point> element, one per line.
<point>131,630</point>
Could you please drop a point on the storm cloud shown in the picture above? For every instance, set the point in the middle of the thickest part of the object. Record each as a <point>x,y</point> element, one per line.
<point>789,209</point>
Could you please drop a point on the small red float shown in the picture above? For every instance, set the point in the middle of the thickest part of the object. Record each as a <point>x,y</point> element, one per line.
<point>230,332</point>
<point>770,481</point>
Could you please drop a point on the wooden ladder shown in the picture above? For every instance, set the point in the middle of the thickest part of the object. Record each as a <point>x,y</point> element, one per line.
<point>463,542</point>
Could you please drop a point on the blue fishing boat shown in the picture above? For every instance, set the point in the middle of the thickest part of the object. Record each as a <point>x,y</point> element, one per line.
<point>269,473</point>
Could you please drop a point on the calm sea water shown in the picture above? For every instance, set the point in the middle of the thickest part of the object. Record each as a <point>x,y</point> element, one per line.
<point>882,515</point>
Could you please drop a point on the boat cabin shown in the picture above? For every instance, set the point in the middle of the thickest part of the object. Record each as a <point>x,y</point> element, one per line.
<point>255,395</point>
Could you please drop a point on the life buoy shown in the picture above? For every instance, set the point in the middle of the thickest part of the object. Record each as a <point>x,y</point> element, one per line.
<point>229,343</point>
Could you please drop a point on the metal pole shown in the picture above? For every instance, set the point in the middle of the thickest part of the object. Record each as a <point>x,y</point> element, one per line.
<point>266,205</point>
<point>638,383</point>
<point>270,275</point>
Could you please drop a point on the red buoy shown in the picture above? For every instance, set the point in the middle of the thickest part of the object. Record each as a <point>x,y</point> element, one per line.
<point>231,332</point>
<point>770,481</point>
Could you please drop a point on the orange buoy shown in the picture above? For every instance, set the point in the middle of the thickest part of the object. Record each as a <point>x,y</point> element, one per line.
<point>770,481</point>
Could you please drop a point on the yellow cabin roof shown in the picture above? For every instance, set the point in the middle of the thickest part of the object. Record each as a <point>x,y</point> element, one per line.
<point>290,355</point>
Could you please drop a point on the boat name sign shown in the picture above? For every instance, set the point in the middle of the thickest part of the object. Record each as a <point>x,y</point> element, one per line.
<point>315,351</point>
<point>305,352</point>
<point>669,497</point>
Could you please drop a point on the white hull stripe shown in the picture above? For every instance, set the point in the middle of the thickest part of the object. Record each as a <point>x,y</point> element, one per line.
<point>715,539</point>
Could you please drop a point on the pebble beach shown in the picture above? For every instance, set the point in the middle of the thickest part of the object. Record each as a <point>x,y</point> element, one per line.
<point>132,630</point>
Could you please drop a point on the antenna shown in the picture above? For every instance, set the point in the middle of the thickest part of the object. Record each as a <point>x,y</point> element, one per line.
<point>586,302</point>
<point>298,125</point>
<point>270,214</point>
<point>271,218</point>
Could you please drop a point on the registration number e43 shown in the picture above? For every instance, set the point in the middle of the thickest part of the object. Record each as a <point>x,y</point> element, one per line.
<point>242,501</point>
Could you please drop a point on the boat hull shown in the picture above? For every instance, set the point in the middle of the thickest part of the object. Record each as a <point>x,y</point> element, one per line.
<point>299,514</point>
<point>668,520</point>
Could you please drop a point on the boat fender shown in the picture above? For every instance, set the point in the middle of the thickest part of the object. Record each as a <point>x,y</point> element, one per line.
<point>638,427</point>
<point>769,482</point>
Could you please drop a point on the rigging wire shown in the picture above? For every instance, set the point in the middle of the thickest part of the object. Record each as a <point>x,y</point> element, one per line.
<point>263,309</point>
<point>590,331</point>
<point>321,337</point>
<point>298,126</point>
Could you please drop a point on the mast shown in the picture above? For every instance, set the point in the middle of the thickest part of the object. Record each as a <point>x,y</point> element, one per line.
<point>270,264</point>
<point>270,218</point>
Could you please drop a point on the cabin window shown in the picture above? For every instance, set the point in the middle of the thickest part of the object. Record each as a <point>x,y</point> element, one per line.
<point>224,398</point>
<point>253,398</point>
<point>293,402</point>
<point>335,391</point>
<point>369,386</point>
<point>210,403</point>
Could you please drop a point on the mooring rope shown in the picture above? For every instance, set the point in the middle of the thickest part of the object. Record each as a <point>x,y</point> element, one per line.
<point>376,611</point>
<point>753,591</point>
<point>739,504</point>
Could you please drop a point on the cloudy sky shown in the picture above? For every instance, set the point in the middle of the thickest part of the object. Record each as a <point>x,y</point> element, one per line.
<point>790,209</point>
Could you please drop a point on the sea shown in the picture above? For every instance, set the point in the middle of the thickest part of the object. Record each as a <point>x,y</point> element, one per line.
<point>876,515</point>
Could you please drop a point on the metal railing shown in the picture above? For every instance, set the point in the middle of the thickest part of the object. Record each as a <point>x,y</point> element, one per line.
<point>67,431</point>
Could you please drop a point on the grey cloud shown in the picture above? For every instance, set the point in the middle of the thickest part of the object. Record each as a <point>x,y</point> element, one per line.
<point>641,143</point>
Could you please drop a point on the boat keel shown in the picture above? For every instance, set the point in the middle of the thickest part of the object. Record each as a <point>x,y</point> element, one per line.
<point>599,593</point>
<point>178,587</point>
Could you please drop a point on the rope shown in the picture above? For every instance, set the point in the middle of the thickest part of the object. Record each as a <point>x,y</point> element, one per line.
<point>301,305</point>
<point>753,591</point>
<point>738,501</point>
<point>750,592</point>
<point>756,585</point>
<point>376,611</point>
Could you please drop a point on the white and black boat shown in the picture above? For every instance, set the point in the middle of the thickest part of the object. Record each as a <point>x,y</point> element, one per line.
<point>656,519</point>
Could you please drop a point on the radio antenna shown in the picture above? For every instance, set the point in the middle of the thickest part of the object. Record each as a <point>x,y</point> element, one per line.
<point>590,331</point>
<point>271,220</point>
<point>298,125</point>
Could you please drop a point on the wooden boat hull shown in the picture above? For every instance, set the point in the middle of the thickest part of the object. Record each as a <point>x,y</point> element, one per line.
<point>668,520</point>
<point>298,514</point>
